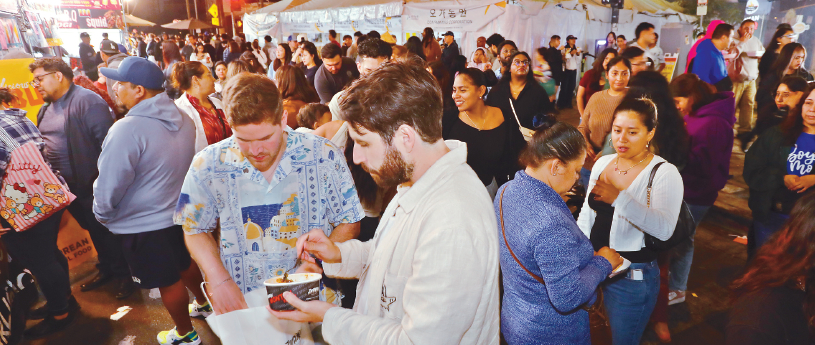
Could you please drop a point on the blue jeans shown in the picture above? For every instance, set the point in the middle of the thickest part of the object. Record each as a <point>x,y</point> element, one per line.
<point>585,176</point>
<point>680,265</point>
<point>629,302</point>
<point>763,230</point>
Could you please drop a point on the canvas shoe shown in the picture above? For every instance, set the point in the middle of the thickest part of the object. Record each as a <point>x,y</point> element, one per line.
<point>676,296</point>
<point>200,309</point>
<point>172,337</point>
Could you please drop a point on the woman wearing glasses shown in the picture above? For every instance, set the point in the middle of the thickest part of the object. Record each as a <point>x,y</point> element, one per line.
<point>493,143</point>
<point>551,271</point>
<point>790,62</point>
<point>620,209</point>
<point>519,96</point>
<point>778,168</point>
<point>595,124</point>
<point>782,37</point>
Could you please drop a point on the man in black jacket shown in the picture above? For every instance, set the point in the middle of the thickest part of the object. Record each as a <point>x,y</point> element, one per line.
<point>88,56</point>
<point>450,49</point>
<point>555,60</point>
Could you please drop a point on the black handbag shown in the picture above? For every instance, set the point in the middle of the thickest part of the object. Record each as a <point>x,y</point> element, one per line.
<point>685,225</point>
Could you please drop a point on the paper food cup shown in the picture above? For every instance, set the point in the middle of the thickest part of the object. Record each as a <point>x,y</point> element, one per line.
<point>306,286</point>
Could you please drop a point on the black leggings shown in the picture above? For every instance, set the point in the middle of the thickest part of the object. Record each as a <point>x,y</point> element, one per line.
<point>37,250</point>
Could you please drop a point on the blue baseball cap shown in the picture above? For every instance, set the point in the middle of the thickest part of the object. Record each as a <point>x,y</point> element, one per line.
<point>137,71</point>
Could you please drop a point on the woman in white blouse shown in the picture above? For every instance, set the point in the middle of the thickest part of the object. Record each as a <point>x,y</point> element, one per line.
<point>618,212</point>
<point>201,56</point>
<point>260,54</point>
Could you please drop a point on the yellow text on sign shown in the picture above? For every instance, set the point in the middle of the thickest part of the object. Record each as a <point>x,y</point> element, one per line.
<point>17,78</point>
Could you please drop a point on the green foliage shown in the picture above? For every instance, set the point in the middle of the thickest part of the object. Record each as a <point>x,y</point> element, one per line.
<point>730,12</point>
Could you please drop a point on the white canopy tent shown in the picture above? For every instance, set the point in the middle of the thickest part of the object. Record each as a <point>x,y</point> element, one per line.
<point>527,22</point>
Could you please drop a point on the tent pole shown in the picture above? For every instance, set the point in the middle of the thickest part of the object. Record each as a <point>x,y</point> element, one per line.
<point>195,2</point>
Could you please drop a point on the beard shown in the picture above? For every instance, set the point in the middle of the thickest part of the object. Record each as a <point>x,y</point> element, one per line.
<point>121,107</point>
<point>393,172</point>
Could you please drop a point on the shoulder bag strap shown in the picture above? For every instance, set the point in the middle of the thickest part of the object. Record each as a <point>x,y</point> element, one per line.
<point>501,210</point>
<point>514,113</point>
<point>651,181</point>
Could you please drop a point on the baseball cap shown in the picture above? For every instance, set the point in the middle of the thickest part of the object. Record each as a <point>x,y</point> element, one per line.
<point>137,71</point>
<point>570,37</point>
<point>84,34</point>
<point>449,33</point>
<point>105,34</point>
<point>109,47</point>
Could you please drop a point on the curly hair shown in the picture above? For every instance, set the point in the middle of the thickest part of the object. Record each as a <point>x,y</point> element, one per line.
<point>6,97</point>
<point>52,64</point>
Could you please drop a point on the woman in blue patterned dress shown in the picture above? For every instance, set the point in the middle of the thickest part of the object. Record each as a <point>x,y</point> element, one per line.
<point>550,268</point>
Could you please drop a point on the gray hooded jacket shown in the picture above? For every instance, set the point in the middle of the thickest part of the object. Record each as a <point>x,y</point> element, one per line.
<point>144,159</point>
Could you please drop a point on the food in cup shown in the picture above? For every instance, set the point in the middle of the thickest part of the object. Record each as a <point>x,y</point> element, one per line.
<point>306,286</point>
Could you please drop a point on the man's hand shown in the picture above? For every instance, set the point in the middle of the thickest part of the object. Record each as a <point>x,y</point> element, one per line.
<point>590,154</point>
<point>312,311</point>
<point>799,184</point>
<point>227,298</point>
<point>309,267</point>
<point>3,231</point>
<point>315,242</point>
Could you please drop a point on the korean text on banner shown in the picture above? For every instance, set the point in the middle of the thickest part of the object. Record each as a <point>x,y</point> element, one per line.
<point>17,78</point>
<point>450,15</point>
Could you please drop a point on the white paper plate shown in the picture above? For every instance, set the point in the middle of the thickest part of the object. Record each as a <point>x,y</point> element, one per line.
<point>624,266</point>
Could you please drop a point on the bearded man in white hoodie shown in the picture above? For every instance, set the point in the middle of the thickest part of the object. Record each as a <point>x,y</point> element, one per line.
<point>430,274</point>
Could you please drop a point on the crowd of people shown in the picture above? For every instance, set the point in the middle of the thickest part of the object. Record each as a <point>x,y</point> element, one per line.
<point>385,168</point>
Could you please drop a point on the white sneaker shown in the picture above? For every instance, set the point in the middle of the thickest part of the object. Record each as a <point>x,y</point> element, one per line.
<point>200,310</point>
<point>172,337</point>
<point>676,296</point>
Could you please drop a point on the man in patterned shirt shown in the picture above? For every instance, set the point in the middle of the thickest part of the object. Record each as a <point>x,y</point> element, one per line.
<point>265,186</point>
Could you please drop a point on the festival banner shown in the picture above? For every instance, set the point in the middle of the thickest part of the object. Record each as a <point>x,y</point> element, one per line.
<point>17,78</point>
<point>306,28</point>
<point>450,15</point>
<point>84,18</point>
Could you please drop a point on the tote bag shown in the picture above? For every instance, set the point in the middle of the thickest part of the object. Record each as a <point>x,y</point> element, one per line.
<point>256,326</point>
<point>31,192</point>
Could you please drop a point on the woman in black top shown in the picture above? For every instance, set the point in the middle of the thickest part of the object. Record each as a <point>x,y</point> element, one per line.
<point>775,299</point>
<point>790,62</point>
<point>781,37</point>
<point>311,61</point>
<point>492,143</point>
<point>519,89</point>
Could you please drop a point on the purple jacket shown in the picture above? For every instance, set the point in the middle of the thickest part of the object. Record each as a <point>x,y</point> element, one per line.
<point>711,143</point>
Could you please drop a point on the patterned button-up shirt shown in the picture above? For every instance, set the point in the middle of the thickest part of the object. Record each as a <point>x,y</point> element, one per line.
<point>261,221</point>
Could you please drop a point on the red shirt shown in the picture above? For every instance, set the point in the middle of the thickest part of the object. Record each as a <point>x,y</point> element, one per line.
<point>215,126</point>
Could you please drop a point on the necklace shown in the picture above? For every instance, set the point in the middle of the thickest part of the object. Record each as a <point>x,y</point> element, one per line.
<point>625,172</point>
<point>475,124</point>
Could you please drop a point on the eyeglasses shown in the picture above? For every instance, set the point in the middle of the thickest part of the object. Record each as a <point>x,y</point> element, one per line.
<point>643,63</point>
<point>37,80</point>
<point>519,63</point>
<point>789,36</point>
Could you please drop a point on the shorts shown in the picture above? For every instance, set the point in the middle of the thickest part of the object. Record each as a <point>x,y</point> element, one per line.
<point>156,258</point>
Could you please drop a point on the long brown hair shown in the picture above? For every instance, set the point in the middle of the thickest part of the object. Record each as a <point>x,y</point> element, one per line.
<point>793,125</point>
<point>170,52</point>
<point>787,256</point>
<point>293,85</point>
<point>698,92</point>
<point>287,57</point>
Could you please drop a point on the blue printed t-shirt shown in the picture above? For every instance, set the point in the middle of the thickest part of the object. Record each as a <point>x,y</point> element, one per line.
<point>802,157</point>
<point>261,221</point>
